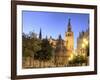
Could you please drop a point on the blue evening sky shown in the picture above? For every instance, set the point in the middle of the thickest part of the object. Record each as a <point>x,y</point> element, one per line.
<point>54,23</point>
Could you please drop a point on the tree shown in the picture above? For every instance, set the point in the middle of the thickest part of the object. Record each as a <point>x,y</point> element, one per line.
<point>30,42</point>
<point>40,34</point>
<point>28,54</point>
<point>45,53</point>
<point>78,60</point>
<point>30,45</point>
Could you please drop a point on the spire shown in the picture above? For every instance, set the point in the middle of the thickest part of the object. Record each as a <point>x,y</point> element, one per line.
<point>50,37</point>
<point>40,34</point>
<point>59,37</point>
<point>69,26</point>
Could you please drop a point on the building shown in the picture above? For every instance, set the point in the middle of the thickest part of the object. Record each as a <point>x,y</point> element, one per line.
<point>53,42</point>
<point>63,48</point>
<point>69,40</point>
<point>62,53</point>
<point>83,43</point>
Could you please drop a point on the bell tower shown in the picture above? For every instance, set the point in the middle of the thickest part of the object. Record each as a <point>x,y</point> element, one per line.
<point>69,39</point>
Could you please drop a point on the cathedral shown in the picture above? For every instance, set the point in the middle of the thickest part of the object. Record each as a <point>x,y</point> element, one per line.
<point>83,43</point>
<point>69,39</point>
<point>64,48</point>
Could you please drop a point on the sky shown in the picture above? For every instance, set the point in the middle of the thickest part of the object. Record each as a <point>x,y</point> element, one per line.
<point>54,23</point>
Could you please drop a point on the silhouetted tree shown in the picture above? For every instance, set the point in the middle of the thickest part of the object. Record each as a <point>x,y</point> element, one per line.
<point>30,45</point>
<point>40,34</point>
<point>79,59</point>
<point>45,53</point>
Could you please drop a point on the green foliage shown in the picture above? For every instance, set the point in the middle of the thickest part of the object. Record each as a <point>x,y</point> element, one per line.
<point>46,51</point>
<point>27,53</point>
<point>30,44</point>
<point>35,47</point>
<point>79,59</point>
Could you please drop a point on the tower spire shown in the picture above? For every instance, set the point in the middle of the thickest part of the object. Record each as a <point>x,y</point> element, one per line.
<point>69,26</point>
<point>60,38</point>
<point>40,34</point>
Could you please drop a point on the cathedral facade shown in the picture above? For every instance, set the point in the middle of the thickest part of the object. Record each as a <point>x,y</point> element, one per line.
<point>83,43</point>
<point>65,47</point>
